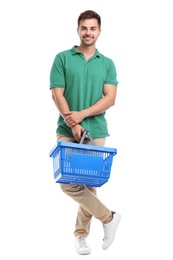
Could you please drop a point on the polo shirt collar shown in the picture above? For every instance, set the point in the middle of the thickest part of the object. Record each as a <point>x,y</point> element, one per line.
<point>74,51</point>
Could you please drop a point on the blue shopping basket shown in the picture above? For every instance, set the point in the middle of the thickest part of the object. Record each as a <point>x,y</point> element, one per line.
<point>79,163</point>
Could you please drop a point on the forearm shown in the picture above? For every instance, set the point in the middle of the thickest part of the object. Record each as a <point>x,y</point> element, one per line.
<point>99,107</point>
<point>61,104</point>
<point>75,117</point>
<point>107,101</point>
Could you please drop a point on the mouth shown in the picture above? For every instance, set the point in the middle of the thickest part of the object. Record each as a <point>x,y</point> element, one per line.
<point>87,38</point>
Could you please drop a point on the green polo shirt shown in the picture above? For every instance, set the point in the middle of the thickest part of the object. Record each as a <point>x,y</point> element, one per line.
<point>83,82</point>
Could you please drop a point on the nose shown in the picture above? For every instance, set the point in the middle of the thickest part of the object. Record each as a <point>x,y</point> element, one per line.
<point>88,32</point>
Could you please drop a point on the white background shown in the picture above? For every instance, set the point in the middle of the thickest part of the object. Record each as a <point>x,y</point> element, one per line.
<point>37,219</point>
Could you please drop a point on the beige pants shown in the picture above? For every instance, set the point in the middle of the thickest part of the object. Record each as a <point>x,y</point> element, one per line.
<point>86,197</point>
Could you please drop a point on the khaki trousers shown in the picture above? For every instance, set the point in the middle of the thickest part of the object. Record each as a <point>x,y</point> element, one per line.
<point>86,197</point>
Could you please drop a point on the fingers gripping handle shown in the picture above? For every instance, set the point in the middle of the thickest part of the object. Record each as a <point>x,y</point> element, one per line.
<point>86,134</point>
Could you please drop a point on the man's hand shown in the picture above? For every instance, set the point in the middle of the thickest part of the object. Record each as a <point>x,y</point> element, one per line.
<point>77,131</point>
<point>73,118</point>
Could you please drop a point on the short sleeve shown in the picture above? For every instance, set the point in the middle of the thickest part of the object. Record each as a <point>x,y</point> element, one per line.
<point>111,74</point>
<point>57,78</point>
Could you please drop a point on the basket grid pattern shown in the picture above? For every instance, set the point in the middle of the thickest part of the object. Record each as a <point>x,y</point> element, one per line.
<point>82,164</point>
<point>104,156</point>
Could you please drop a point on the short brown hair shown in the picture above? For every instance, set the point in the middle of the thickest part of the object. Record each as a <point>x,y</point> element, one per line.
<point>89,14</point>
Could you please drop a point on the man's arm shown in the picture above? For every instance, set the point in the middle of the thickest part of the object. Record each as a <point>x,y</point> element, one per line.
<point>60,101</point>
<point>104,103</point>
<point>75,117</point>
<point>62,106</point>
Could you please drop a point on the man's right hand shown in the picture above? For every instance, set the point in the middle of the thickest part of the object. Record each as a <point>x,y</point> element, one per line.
<point>77,131</point>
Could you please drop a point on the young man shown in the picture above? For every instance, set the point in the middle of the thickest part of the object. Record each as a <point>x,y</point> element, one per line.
<point>84,85</point>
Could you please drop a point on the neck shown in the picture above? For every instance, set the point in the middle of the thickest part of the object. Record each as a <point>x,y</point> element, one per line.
<point>87,51</point>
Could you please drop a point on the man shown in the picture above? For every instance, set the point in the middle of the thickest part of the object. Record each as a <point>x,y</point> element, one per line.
<point>84,85</point>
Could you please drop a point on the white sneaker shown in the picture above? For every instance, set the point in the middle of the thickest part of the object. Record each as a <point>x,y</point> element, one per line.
<point>82,246</point>
<point>110,230</point>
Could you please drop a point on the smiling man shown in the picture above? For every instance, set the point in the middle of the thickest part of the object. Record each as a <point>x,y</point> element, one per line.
<point>84,83</point>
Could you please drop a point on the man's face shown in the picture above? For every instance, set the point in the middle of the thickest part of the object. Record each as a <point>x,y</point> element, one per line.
<point>88,31</point>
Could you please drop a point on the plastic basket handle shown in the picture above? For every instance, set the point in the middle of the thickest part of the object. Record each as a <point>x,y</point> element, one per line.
<point>86,135</point>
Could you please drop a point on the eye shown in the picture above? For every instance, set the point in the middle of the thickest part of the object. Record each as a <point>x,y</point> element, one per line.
<point>93,29</point>
<point>83,29</point>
